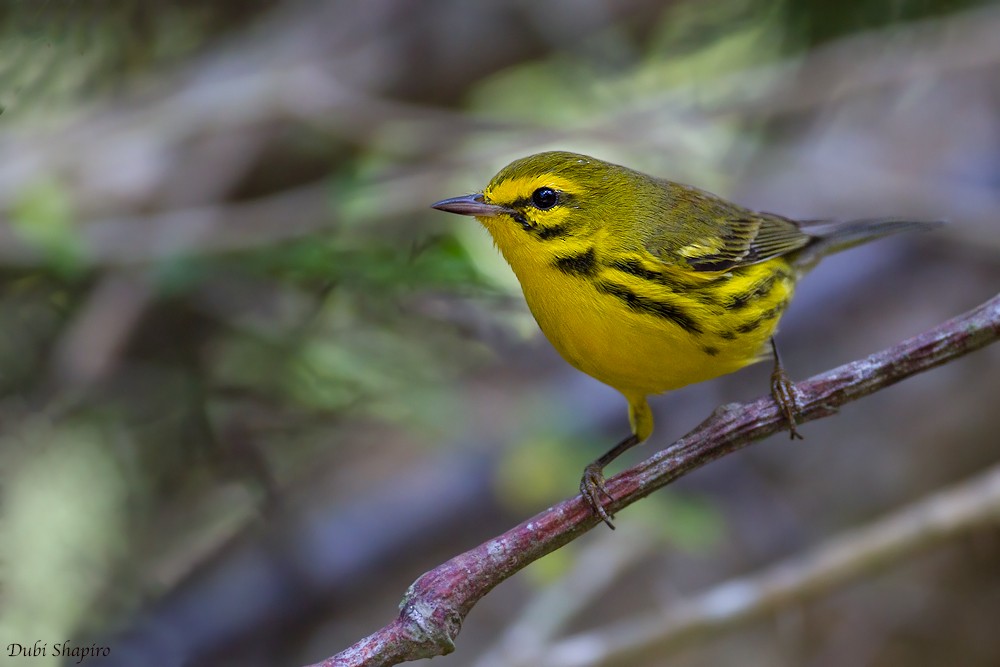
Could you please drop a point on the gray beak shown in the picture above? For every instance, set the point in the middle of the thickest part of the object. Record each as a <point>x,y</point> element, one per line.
<point>469,205</point>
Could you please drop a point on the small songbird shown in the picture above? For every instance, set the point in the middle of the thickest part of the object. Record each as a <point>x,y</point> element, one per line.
<point>649,285</point>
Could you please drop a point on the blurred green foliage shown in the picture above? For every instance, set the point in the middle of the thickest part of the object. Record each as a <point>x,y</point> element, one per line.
<point>43,217</point>
<point>380,317</point>
<point>811,23</point>
<point>60,55</point>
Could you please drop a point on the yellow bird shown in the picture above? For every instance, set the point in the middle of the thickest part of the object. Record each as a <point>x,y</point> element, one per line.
<point>649,285</point>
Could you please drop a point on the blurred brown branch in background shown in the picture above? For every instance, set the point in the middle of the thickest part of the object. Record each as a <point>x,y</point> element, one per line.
<point>932,520</point>
<point>436,604</point>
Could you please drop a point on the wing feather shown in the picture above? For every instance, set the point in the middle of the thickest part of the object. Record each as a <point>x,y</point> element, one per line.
<point>707,233</point>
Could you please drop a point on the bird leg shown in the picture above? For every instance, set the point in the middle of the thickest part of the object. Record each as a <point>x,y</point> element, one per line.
<point>783,391</point>
<point>592,485</point>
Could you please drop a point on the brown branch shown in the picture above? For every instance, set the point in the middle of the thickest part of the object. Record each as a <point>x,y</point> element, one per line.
<point>434,607</point>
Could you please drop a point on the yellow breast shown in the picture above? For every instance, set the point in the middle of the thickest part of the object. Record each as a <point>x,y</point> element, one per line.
<point>641,329</point>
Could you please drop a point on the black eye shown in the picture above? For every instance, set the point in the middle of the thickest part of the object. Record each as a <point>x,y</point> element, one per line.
<point>544,198</point>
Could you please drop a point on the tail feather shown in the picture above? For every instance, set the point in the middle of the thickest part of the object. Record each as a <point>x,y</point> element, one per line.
<point>831,237</point>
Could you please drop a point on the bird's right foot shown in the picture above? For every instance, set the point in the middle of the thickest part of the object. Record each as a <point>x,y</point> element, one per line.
<point>592,488</point>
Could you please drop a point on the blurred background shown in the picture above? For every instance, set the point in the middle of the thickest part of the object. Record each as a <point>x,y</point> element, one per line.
<point>251,386</point>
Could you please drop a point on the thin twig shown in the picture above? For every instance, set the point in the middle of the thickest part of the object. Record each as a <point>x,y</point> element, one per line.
<point>434,607</point>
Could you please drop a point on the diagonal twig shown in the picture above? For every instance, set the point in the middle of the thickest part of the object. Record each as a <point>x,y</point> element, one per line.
<point>435,605</point>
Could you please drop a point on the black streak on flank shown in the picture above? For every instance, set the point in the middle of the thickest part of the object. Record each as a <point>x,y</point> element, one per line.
<point>758,291</point>
<point>584,264</point>
<point>641,304</point>
<point>700,290</point>
<point>710,351</point>
<point>774,312</point>
<point>770,314</point>
<point>634,268</point>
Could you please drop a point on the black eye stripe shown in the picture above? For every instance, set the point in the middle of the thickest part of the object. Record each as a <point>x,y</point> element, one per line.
<point>522,208</point>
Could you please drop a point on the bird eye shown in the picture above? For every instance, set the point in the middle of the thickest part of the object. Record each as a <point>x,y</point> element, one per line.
<point>544,198</point>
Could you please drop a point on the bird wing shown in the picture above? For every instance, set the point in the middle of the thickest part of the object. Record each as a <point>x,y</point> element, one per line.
<point>719,236</point>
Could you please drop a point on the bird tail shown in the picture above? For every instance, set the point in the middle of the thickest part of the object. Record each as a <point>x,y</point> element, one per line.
<point>831,237</point>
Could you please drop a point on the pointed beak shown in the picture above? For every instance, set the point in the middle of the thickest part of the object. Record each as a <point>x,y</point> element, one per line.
<point>469,205</point>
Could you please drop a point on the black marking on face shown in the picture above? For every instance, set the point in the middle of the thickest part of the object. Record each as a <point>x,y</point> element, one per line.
<point>560,231</point>
<point>543,199</point>
<point>582,264</point>
<point>520,219</point>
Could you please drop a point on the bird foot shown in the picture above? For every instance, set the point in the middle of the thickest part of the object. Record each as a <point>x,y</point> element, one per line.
<point>592,488</point>
<point>785,395</point>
